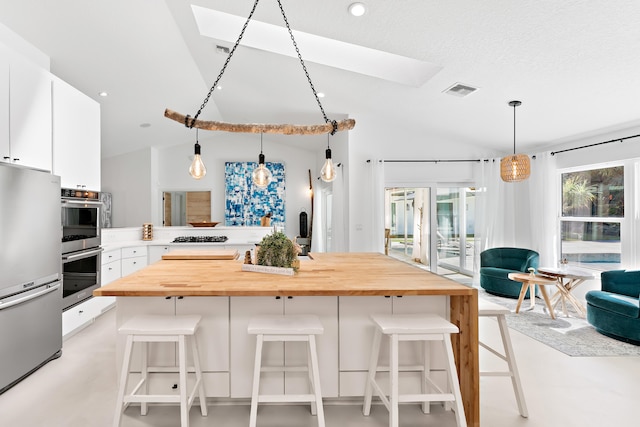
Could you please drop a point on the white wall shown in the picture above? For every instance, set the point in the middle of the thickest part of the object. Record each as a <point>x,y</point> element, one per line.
<point>136,180</point>
<point>128,179</point>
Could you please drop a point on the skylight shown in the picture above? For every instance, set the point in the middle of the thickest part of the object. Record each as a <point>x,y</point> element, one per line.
<point>321,50</point>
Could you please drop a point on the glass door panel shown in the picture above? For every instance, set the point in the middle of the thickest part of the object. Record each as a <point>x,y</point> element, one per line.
<point>407,219</point>
<point>455,211</point>
<point>448,232</point>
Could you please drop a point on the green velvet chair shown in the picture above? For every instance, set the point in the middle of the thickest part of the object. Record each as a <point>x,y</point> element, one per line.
<point>615,309</point>
<point>497,263</point>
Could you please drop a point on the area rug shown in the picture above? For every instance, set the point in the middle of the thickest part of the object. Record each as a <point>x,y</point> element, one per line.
<point>571,335</point>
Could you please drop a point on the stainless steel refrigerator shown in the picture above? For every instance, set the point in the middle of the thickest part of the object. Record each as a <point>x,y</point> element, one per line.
<point>30,272</point>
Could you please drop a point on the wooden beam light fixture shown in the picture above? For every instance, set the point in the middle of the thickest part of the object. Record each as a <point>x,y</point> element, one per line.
<point>329,126</point>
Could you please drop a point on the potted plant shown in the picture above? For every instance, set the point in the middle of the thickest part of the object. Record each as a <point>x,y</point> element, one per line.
<point>277,250</point>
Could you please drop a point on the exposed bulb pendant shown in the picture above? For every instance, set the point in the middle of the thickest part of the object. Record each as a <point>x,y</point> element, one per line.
<point>328,171</point>
<point>197,169</point>
<point>261,176</point>
<point>518,166</point>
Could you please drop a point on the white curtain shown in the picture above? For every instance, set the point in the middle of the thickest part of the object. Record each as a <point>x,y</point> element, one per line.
<point>521,214</point>
<point>318,234</point>
<point>495,212</point>
<point>322,219</point>
<point>339,231</point>
<point>544,198</point>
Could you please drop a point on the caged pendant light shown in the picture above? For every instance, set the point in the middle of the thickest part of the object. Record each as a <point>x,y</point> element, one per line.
<point>516,167</point>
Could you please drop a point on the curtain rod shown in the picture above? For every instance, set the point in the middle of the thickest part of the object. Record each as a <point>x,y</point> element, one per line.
<point>553,153</point>
<point>428,161</point>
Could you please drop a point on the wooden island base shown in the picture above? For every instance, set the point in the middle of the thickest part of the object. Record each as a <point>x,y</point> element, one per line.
<point>342,288</point>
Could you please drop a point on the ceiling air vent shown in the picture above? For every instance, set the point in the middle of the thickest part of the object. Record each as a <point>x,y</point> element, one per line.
<point>460,90</point>
<point>222,49</point>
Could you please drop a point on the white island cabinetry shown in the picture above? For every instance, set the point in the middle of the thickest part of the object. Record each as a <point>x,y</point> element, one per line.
<point>291,354</point>
<point>212,336</point>
<point>76,137</point>
<point>356,334</point>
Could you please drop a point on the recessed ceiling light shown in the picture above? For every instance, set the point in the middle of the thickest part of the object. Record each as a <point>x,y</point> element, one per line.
<point>357,9</point>
<point>320,94</point>
<point>219,87</point>
<point>103,93</point>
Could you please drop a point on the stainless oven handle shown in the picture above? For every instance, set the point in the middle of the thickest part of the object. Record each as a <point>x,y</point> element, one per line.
<point>35,295</point>
<point>81,255</point>
<point>81,202</point>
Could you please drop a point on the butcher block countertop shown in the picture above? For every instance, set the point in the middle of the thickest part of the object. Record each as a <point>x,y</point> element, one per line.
<point>334,274</point>
<point>324,274</point>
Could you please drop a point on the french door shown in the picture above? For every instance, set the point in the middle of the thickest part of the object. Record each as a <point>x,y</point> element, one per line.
<point>432,223</point>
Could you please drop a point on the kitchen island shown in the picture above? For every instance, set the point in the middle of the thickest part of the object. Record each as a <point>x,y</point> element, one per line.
<point>343,288</point>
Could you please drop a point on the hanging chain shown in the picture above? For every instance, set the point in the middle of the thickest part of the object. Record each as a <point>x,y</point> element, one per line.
<point>304,67</point>
<point>224,67</point>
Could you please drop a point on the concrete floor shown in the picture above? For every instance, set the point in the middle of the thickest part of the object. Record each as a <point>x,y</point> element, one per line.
<point>79,390</point>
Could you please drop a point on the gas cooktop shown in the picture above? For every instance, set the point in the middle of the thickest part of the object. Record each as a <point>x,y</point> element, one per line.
<point>200,239</point>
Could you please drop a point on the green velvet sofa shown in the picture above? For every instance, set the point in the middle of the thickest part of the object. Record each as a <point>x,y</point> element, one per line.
<point>615,309</point>
<point>497,263</point>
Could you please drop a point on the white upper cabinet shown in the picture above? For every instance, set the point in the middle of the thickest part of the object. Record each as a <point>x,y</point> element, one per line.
<point>25,138</point>
<point>76,137</point>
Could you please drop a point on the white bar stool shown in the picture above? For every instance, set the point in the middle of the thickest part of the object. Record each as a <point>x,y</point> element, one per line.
<point>413,327</point>
<point>154,328</point>
<point>490,309</point>
<point>301,328</point>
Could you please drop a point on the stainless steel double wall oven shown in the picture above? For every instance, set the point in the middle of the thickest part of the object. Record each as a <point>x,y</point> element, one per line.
<point>81,251</point>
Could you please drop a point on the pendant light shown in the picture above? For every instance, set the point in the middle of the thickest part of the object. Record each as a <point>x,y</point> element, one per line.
<point>328,171</point>
<point>197,169</point>
<point>261,176</point>
<point>518,166</point>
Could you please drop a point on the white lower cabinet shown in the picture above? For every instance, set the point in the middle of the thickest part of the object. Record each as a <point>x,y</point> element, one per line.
<point>155,252</point>
<point>82,315</point>
<point>134,258</point>
<point>212,335</point>
<point>293,354</point>
<point>356,337</point>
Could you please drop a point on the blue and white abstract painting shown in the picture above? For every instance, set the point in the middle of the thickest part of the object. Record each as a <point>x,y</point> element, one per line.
<point>246,203</point>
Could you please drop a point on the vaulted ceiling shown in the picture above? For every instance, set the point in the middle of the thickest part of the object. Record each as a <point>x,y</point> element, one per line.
<point>574,64</point>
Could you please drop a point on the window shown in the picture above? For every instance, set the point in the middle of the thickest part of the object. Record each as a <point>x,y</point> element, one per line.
<point>592,214</point>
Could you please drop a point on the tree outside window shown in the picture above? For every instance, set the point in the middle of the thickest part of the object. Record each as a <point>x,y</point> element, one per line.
<point>592,210</point>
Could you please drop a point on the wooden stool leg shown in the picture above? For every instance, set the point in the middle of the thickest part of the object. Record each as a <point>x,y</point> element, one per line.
<point>196,364</point>
<point>373,366</point>
<point>124,374</point>
<point>253,414</point>
<point>316,380</point>
<point>513,367</point>
<point>393,381</point>
<point>454,382</point>
<point>184,407</point>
